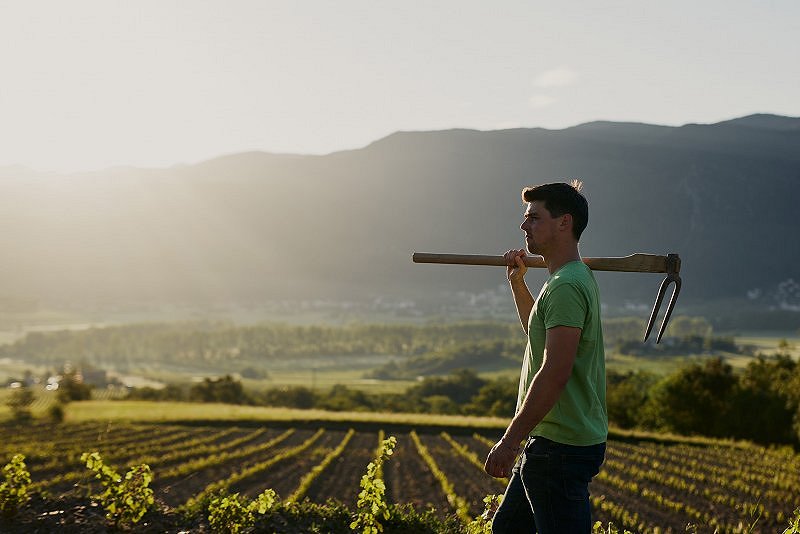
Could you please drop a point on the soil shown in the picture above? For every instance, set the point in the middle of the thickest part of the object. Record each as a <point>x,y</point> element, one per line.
<point>285,476</point>
<point>341,479</point>
<point>468,481</point>
<point>409,481</point>
<point>72,515</point>
<point>176,492</point>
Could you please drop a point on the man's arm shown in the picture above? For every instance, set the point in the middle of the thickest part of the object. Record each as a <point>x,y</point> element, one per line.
<point>561,347</point>
<point>516,277</point>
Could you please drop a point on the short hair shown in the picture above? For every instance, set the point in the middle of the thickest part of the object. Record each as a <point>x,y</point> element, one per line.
<point>560,198</point>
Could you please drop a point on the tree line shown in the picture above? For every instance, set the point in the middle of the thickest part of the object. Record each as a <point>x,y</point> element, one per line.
<point>761,403</point>
<point>227,346</point>
<point>463,392</point>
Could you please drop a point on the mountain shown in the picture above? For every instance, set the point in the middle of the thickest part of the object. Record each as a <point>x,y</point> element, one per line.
<point>256,226</point>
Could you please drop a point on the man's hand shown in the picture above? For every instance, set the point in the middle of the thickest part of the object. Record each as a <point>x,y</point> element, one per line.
<point>501,459</point>
<point>516,269</point>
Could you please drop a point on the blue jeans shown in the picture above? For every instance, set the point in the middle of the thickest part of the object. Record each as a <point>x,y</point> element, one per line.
<point>549,489</point>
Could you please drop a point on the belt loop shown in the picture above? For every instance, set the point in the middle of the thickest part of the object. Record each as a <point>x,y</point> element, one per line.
<point>527,443</point>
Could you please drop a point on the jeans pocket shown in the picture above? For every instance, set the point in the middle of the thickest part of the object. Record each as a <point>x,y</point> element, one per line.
<point>577,471</point>
<point>536,462</point>
<point>536,471</point>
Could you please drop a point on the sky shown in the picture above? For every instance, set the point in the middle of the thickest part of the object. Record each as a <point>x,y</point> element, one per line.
<point>87,85</point>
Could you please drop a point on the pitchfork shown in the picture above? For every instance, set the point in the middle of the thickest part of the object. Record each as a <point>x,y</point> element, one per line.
<point>635,263</point>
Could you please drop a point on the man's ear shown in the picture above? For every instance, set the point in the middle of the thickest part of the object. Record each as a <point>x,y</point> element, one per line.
<point>566,222</point>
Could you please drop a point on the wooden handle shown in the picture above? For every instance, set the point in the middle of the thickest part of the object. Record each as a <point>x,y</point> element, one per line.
<point>635,263</point>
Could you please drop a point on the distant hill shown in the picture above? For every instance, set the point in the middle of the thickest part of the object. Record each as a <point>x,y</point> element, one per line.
<point>255,226</point>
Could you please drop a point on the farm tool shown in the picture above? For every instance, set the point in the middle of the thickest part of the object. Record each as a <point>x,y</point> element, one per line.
<point>635,263</point>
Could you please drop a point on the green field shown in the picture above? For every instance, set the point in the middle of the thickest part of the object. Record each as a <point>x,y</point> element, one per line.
<point>142,411</point>
<point>770,342</point>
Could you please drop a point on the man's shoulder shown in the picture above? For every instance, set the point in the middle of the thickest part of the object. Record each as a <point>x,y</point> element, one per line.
<point>572,285</point>
<point>575,273</point>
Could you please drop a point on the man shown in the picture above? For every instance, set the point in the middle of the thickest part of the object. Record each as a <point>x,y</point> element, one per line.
<point>561,406</point>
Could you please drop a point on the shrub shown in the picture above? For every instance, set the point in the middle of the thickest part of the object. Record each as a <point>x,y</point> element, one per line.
<point>14,491</point>
<point>127,499</point>
<point>341,398</point>
<point>794,523</point>
<point>56,413</point>
<point>483,523</point>
<point>20,402</point>
<point>372,507</point>
<point>291,397</point>
<point>226,390</point>
<point>233,514</point>
<point>70,388</point>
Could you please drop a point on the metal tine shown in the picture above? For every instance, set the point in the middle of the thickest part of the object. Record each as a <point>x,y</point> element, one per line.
<point>673,270</point>
<point>670,306</point>
<point>656,306</point>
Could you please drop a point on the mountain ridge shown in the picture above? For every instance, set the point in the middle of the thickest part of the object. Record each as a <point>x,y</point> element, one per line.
<point>257,226</point>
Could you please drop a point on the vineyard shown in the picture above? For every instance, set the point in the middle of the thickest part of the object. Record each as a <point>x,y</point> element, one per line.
<point>644,485</point>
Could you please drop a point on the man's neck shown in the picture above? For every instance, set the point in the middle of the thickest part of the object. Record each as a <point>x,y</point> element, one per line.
<point>557,259</point>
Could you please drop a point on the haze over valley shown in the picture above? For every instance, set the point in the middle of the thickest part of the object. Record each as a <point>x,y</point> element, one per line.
<point>257,229</point>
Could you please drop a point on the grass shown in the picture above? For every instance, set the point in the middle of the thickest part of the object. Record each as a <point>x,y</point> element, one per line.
<point>324,379</point>
<point>770,343</point>
<point>510,373</point>
<point>658,365</point>
<point>303,374</point>
<point>144,411</point>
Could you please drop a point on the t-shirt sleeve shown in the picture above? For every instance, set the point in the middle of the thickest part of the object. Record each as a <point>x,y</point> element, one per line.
<point>566,306</point>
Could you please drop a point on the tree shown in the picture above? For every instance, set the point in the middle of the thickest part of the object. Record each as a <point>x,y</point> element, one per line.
<point>696,399</point>
<point>225,390</point>
<point>172,392</point>
<point>460,387</point>
<point>71,388</point>
<point>19,402</point>
<point>291,397</point>
<point>56,413</point>
<point>342,398</point>
<point>793,393</point>
<point>763,406</point>
<point>497,398</point>
<point>625,395</point>
<point>441,404</point>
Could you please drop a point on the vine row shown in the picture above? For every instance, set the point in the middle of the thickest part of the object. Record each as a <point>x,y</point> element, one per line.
<point>458,503</point>
<point>312,475</point>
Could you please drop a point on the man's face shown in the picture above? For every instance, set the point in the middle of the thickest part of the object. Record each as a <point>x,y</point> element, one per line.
<point>539,227</point>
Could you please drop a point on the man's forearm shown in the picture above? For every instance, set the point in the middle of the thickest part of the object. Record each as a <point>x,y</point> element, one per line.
<point>523,300</point>
<point>561,348</point>
<point>540,399</point>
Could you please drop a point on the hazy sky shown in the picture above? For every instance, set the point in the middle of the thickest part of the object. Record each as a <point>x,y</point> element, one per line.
<point>91,84</point>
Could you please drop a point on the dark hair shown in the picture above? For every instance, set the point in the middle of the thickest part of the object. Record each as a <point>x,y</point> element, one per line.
<point>561,198</point>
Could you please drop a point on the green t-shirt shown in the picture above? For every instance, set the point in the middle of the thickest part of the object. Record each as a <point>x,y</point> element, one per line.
<point>570,298</point>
